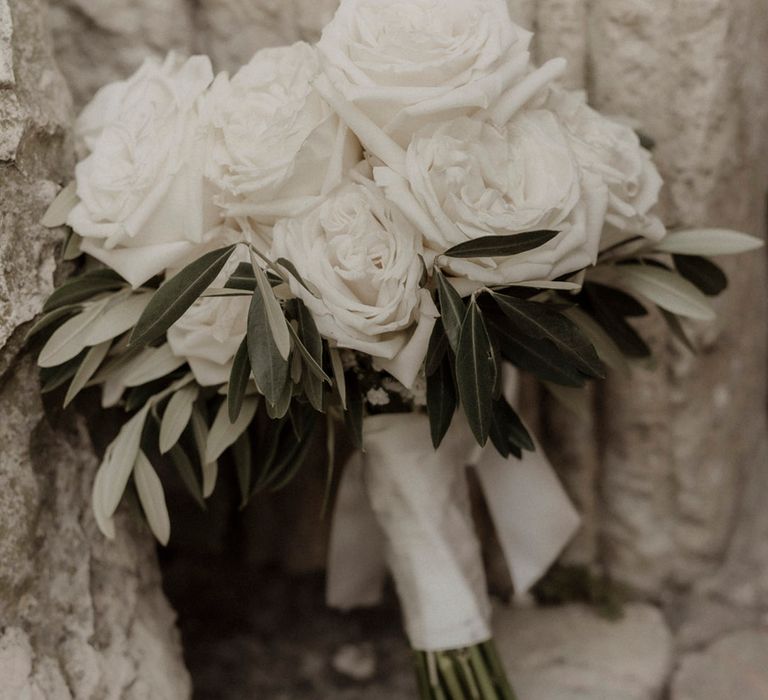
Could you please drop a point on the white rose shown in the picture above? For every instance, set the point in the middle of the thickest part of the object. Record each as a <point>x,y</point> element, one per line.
<point>612,151</point>
<point>362,256</point>
<point>143,201</point>
<point>407,63</point>
<point>276,145</point>
<point>468,179</point>
<point>211,330</point>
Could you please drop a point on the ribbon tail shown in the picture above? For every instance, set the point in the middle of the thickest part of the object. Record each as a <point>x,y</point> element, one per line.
<point>533,516</point>
<point>356,569</point>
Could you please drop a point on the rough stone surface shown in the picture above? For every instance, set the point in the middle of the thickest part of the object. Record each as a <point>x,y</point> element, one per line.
<point>680,442</point>
<point>79,617</point>
<point>733,667</point>
<point>569,653</point>
<point>98,41</point>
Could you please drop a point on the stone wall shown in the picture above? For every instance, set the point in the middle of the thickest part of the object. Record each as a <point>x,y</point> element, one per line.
<point>80,617</point>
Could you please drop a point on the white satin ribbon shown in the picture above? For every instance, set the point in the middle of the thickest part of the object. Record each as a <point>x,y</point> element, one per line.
<point>404,504</point>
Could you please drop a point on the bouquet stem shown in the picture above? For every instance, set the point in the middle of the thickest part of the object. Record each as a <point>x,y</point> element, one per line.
<point>469,673</point>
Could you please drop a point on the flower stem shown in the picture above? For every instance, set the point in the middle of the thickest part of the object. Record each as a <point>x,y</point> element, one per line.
<point>469,673</point>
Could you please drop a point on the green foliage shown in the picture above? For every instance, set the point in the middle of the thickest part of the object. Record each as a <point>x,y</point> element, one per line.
<point>177,294</point>
<point>702,273</point>
<point>476,372</point>
<point>501,245</point>
<point>84,287</point>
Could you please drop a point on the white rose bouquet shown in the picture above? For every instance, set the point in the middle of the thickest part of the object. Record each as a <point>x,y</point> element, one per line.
<point>381,229</point>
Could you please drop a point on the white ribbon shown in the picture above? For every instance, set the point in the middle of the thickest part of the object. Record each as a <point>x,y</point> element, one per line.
<point>405,505</point>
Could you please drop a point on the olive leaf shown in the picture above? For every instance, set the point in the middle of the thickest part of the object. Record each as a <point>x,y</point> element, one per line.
<point>476,372</point>
<point>501,245</point>
<point>84,287</point>
<point>176,416</point>
<point>151,364</point>
<point>152,498</point>
<point>607,350</point>
<point>667,290</point>
<point>441,401</point>
<point>452,308</point>
<point>119,460</point>
<point>531,355</point>
<point>69,339</point>
<point>63,203</point>
<point>93,358</point>
<point>278,326</point>
<point>239,376</point>
<point>120,316</point>
<point>702,273</point>
<point>223,432</point>
<point>553,330</point>
<point>177,294</point>
<point>709,241</point>
<point>269,366</point>
<point>338,375</point>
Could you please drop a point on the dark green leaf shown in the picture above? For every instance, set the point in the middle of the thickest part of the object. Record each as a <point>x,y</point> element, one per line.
<point>187,473</point>
<point>452,308</point>
<point>476,372</point>
<point>438,346</point>
<point>499,439</point>
<point>242,278</point>
<point>510,425</point>
<point>311,346</point>
<point>288,265</point>
<point>530,355</point>
<point>177,294</point>
<point>269,368</point>
<point>59,315</point>
<point>508,244</point>
<point>83,287</point>
<point>279,409</point>
<point>53,377</point>
<point>441,401</point>
<point>620,302</point>
<point>551,328</point>
<point>238,381</point>
<point>609,317</point>
<point>702,273</point>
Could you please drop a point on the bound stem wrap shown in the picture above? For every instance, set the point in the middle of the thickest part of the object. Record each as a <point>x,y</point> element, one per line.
<point>404,506</point>
<point>420,498</point>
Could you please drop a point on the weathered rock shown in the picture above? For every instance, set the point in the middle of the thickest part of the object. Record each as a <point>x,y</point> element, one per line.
<point>79,617</point>
<point>98,41</point>
<point>569,653</point>
<point>258,24</point>
<point>679,441</point>
<point>733,667</point>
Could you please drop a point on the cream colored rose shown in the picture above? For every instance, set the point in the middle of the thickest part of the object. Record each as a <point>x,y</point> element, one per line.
<point>362,256</point>
<point>467,179</point>
<point>143,200</point>
<point>612,151</point>
<point>407,63</point>
<point>276,146</point>
<point>209,333</point>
